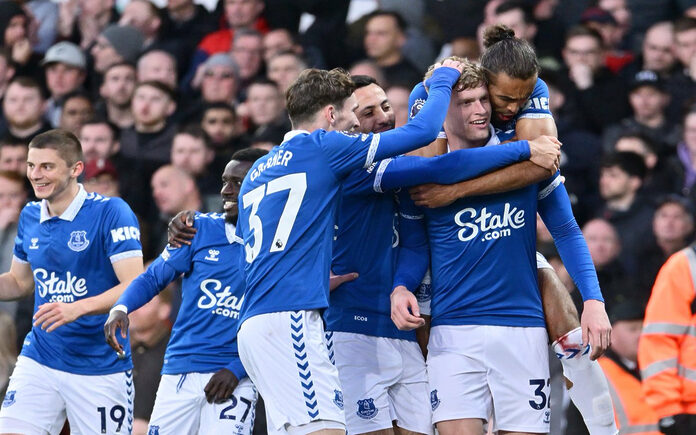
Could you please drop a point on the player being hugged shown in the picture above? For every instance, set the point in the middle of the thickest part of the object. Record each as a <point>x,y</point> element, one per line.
<point>77,252</point>
<point>204,388</point>
<point>286,217</point>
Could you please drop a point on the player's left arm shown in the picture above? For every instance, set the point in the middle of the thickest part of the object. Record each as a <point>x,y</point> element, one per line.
<point>52,315</point>
<point>555,210</point>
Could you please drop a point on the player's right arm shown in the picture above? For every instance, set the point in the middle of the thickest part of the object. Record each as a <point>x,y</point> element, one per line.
<point>18,282</point>
<point>165,269</point>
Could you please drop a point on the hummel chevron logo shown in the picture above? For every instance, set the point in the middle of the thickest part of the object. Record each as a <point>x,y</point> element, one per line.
<point>302,362</point>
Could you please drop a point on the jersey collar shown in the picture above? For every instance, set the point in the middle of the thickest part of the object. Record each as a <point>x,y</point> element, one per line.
<point>70,212</point>
<point>231,236</point>
<point>292,133</point>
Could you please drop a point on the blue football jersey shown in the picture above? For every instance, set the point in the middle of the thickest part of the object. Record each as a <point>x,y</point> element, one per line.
<point>366,241</point>
<point>483,258</point>
<point>71,257</point>
<point>287,212</point>
<point>203,337</point>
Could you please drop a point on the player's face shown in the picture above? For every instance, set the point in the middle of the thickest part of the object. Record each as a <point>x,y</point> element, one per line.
<point>374,112</point>
<point>509,95</point>
<point>345,118</point>
<point>469,114</point>
<point>232,178</point>
<point>49,174</point>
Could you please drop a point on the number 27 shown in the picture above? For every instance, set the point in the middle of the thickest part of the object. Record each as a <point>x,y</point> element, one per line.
<point>297,184</point>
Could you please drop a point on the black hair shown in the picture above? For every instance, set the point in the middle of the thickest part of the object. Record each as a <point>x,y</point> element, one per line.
<point>249,155</point>
<point>511,5</point>
<point>361,81</point>
<point>505,53</point>
<point>400,22</point>
<point>627,161</point>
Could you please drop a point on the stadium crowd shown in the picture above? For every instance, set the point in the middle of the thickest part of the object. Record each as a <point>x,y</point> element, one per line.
<point>161,94</point>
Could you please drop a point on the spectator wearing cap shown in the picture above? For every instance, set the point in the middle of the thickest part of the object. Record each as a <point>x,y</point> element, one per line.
<point>620,180</point>
<point>620,366</point>
<point>599,94</point>
<point>604,23</point>
<point>65,67</point>
<point>672,230</point>
<point>116,44</point>
<point>100,176</point>
<point>648,99</point>
<point>116,92</point>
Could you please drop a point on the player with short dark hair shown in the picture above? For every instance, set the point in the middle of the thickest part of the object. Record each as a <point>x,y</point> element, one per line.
<point>77,252</point>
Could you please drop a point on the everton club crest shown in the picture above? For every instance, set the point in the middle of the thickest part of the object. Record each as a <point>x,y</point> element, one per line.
<point>78,241</point>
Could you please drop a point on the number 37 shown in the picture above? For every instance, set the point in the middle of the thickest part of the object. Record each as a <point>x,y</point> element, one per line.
<point>297,185</point>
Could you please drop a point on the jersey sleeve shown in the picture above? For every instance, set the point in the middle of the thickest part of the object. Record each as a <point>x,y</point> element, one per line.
<point>347,152</point>
<point>121,231</point>
<point>554,208</point>
<point>450,168</point>
<point>413,258</point>
<point>542,262</point>
<point>366,181</point>
<point>416,100</point>
<point>147,285</point>
<point>538,104</point>
<point>18,252</point>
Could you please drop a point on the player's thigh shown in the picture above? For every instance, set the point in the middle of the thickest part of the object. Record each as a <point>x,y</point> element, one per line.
<point>457,375</point>
<point>32,403</point>
<point>367,367</point>
<point>286,358</point>
<point>518,363</point>
<point>559,309</point>
<point>466,426</point>
<point>177,405</point>
<point>235,416</point>
<point>98,404</point>
<point>410,396</point>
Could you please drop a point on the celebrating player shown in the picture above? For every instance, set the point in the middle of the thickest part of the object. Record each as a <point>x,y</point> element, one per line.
<point>286,219</point>
<point>519,101</point>
<point>204,388</point>
<point>72,249</point>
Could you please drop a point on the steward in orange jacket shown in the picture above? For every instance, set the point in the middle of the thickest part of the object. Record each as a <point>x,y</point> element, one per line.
<point>667,350</point>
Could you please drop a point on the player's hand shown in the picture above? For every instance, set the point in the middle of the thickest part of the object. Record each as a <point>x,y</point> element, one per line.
<point>434,195</point>
<point>220,386</point>
<point>596,329</point>
<point>404,309</point>
<point>545,151</point>
<point>117,320</point>
<point>450,63</point>
<point>337,280</point>
<point>54,314</point>
<point>180,230</point>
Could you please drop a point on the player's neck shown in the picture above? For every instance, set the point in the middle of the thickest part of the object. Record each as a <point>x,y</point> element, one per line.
<point>457,143</point>
<point>60,203</point>
<point>318,123</point>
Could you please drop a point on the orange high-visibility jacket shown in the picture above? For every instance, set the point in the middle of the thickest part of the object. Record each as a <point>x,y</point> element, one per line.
<point>632,414</point>
<point>667,350</point>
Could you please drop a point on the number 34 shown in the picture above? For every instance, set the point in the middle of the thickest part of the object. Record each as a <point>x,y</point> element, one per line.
<point>297,185</point>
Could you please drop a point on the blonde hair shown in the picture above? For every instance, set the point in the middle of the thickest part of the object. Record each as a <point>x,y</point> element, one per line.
<point>472,75</point>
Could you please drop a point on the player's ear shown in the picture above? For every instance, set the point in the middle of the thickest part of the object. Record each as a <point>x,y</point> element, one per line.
<point>330,113</point>
<point>78,168</point>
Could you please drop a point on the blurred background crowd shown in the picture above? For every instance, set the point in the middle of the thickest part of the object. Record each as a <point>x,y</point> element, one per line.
<point>161,93</point>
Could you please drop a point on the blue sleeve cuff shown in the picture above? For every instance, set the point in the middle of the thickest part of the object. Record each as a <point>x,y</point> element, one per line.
<point>236,367</point>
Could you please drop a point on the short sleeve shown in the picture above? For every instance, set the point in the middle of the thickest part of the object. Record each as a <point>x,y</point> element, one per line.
<point>538,104</point>
<point>19,252</point>
<point>542,263</point>
<point>121,231</point>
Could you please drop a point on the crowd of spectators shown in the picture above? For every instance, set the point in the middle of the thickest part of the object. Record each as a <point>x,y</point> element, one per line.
<point>162,93</point>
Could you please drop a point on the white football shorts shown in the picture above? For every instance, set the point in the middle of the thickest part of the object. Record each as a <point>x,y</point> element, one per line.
<point>384,380</point>
<point>286,357</point>
<point>478,371</point>
<point>39,398</point>
<point>181,407</point>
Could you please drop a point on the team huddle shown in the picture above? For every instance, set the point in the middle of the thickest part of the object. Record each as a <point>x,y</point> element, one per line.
<point>354,283</point>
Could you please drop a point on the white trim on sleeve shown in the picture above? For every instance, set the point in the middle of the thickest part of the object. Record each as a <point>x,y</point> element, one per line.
<point>127,254</point>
